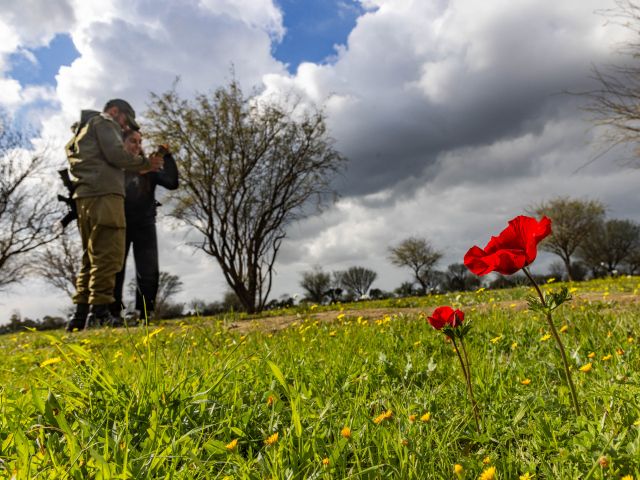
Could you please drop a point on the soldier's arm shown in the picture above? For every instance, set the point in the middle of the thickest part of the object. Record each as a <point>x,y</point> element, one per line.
<point>110,141</point>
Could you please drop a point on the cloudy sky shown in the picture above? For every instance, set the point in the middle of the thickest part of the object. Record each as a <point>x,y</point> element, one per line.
<point>454,115</point>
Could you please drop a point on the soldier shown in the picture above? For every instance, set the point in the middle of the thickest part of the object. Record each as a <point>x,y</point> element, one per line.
<point>97,159</point>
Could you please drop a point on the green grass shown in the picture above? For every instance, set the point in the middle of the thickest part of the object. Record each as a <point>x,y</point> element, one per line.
<point>151,403</point>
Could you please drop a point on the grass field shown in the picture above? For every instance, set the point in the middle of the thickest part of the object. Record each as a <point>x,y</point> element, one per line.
<point>332,394</point>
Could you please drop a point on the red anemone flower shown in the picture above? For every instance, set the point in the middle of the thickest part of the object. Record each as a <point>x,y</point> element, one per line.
<point>443,316</point>
<point>515,247</point>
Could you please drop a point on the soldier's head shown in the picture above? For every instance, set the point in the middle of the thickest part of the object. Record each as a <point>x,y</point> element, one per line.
<point>122,113</point>
<point>133,142</point>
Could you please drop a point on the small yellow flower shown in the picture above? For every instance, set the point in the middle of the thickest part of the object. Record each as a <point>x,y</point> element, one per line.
<point>313,307</point>
<point>526,381</point>
<point>232,444</point>
<point>345,432</point>
<point>545,337</point>
<point>272,439</point>
<point>551,280</point>
<point>630,340</point>
<point>50,361</point>
<point>488,474</point>
<point>457,469</point>
<point>382,417</point>
<point>563,329</point>
<point>417,344</point>
<point>619,351</point>
<point>486,460</point>
<point>412,418</point>
<point>607,357</point>
<point>332,333</point>
<point>426,417</point>
<point>627,477</point>
<point>341,316</point>
<point>609,334</point>
<point>496,339</point>
<point>592,355</point>
<point>586,367</point>
<point>480,290</point>
<point>637,423</point>
<point>325,462</point>
<point>526,476</point>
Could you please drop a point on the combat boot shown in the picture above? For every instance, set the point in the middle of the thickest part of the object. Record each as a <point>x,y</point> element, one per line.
<point>100,316</point>
<point>78,320</point>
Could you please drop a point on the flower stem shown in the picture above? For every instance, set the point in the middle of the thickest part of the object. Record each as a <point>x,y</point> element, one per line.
<point>476,411</point>
<point>554,332</point>
<point>467,377</point>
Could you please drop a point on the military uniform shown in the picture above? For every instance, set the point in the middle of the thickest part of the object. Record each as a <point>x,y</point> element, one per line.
<point>97,159</point>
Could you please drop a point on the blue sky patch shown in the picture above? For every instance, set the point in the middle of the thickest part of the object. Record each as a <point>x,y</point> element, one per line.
<point>48,60</point>
<point>313,28</point>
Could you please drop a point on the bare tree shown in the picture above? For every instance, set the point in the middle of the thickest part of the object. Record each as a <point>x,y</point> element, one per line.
<point>168,286</point>
<point>26,210</point>
<point>615,102</point>
<point>419,255</point>
<point>609,245</point>
<point>358,280</point>
<point>248,169</point>
<point>459,278</point>
<point>572,221</point>
<point>59,262</point>
<point>316,283</point>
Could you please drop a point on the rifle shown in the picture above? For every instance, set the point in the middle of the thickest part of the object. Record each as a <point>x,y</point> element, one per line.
<point>72,213</point>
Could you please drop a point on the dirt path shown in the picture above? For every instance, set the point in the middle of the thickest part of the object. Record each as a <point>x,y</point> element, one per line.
<point>273,324</point>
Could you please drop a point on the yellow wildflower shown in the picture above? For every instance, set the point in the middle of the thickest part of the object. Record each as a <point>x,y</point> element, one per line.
<point>313,307</point>
<point>50,361</point>
<point>382,417</point>
<point>486,460</point>
<point>526,381</point>
<point>412,418</point>
<point>345,432</point>
<point>332,333</point>
<point>563,328</point>
<point>551,280</point>
<point>526,476</point>
<point>607,357</point>
<point>630,340</point>
<point>496,339</point>
<point>545,337</point>
<point>637,423</point>
<point>514,345</point>
<point>325,462</point>
<point>232,444</point>
<point>627,477</point>
<point>272,439</point>
<point>619,351</point>
<point>340,316</point>
<point>480,290</point>
<point>426,417</point>
<point>586,367</point>
<point>609,334</point>
<point>488,474</point>
<point>417,344</point>
<point>592,355</point>
<point>457,469</point>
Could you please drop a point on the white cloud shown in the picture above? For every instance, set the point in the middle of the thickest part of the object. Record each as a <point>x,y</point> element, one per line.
<point>451,114</point>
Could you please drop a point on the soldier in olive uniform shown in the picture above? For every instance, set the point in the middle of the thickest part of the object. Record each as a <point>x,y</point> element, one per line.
<point>97,159</point>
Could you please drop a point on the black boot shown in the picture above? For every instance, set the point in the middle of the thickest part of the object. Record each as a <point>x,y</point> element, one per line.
<point>79,318</point>
<point>100,316</point>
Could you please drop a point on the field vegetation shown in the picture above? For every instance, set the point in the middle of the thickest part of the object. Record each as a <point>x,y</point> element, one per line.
<point>364,390</point>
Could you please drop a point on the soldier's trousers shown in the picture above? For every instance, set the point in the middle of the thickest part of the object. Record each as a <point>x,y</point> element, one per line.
<point>101,222</point>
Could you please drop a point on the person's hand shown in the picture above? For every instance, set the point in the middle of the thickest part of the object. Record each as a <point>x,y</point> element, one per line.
<point>157,163</point>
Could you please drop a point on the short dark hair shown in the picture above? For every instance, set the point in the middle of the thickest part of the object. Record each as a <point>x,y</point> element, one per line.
<point>122,105</point>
